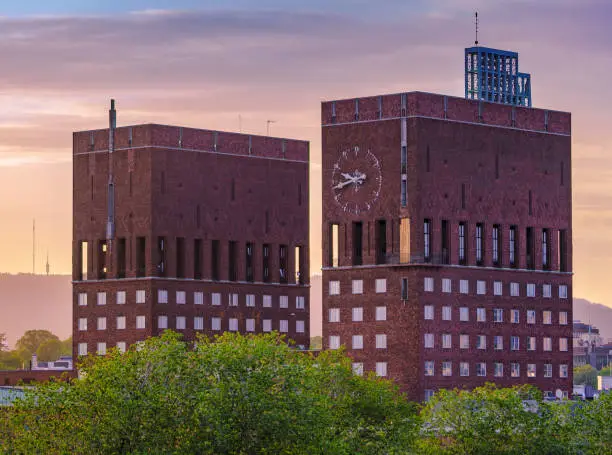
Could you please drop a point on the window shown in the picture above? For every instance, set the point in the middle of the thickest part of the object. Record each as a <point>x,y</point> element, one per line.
<point>514,289</point>
<point>101,298</point>
<point>381,241</point>
<point>562,249</point>
<point>481,369</point>
<point>531,317</point>
<point>464,314</point>
<point>101,323</point>
<point>299,326</point>
<point>498,315</point>
<point>515,316</point>
<point>446,313</point>
<point>381,313</point>
<point>547,344</point>
<point>547,291</point>
<point>464,287</point>
<point>530,290</point>
<point>82,348</point>
<point>447,368</point>
<point>162,296</point>
<point>120,322</point>
<point>334,342</point>
<point>121,346</point>
<point>198,298</point>
<point>512,240</point>
<point>82,299</point>
<point>266,258</point>
<point>162,322</point>
<point>83,324</point>
<point>334,288</point>
<point>232,299</point>
<point>358,368</point>
<point>267,301</point>
<point>429,340</point>
<point>545,250</point>
<point>232,253</point>
<point>495,249</point>
<point>464,369</point>
<point>248,262</point>
<point>499,370</point>
<point>479,244</point>
<point>334,315</point>
<point>233,325</point>
<point>481,315</point>
<point>357,286</point>
<point>198,323</point>
<point>141,255</point>
<point>429,368</point>
<point>141,322</point>
<point>447,341</point>
<point>381,369</point>
<point>546,317</point>
<point>267,325</point>
<point>140,296</point>
<point>300,302</point>
<point>563,344</point>
<point>444,237</point>
<point>563,291</point>
<point>357,342</point>
<point>381,341</point>
<point>464,341</point>
<point>161,256</point>
<point>531,343</point>
<point>562,317</point>
<point>428,311</point>
<point>497,288</point>
<point>514,343</point>
<point>180,257</point>
<point>427,240</point>
<point>481,287</point>
<point>357,243</point>
<point>381,285</point>
<point>197,256</point>
<point>283,301</point>
<point>446,285</point>
<point>357,314</point>
<point>428,394</point>
<point>333,244</point>
<point>515,370</point>
<point>548,370</point>
<point>498,343</point>
<point>250,300</point>
<point>215,323</point>
<point>529,247</point>
<point>120,297</point>
<point>102,348</point>
<point>563,371</point>
<point>216,299</point>
<point>428,284</point>
<point>462,246</point>
<point>481,342</point>
<point>284,326</point>
<point>180,323</point>
<point>181,298</point>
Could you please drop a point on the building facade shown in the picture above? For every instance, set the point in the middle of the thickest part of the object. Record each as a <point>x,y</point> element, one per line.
<point>586,339</point>
<point>447,241</point>
<point>192,230</point>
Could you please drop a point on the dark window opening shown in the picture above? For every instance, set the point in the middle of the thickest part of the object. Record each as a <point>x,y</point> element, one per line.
<point>404,159</point>
<point>282,263</point>
<point>357,243</point>
<point>512,243</point>
<point>427,240</point>
<point>121,257</point>
<point>563,250</point>
<point>545,250</point>
<point>381,241</point>
<point>333,245</point>
<point>233,260</point>
<point>141,255</point>
<point>462,243</point>
<point>180,257</point>
<point>495,245</point>
<point>529,248</point>
<point>197,259</point>
<point>445,242</point>
<point>404,191</point>
<point>249,262</point>
<point>214,259</point>
<point>404,288</point>
<point>479,244</point>
<point>102,250</point>
<point>266,263</point>
<point>161,256</point>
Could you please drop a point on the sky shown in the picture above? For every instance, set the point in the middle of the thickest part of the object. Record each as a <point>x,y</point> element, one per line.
<point>205,63</point>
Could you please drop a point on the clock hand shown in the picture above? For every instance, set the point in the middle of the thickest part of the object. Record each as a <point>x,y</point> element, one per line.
<point>342,184</point>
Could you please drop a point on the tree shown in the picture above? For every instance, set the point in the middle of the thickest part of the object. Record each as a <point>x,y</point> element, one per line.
<point>49,351</point>
<point>67,346</point>
<point>3,343</point>
<point>585,374</point>
<point>29,343</point>
<point>316,342</point>
<point>607,371</point>
<point>236,395</point>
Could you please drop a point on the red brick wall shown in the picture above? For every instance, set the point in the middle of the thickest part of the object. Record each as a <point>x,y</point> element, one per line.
<point>28,376</point>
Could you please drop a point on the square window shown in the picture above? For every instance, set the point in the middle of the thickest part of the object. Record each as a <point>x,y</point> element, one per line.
<point>428,284</point>
<point>162,322</point>
<point>102,348</point>
<point>447,341</point>
<point>563,344</point>
<point>198,298</point>
<point>250,325</point>
<point>357,342</point>
<point>381,341</point>
<point>447,368</point>
<point>232,299</point>
<point>481,342</point>
<point>284,326</point>
<point>531,343</point>
<point>531,317</point>
<point>334,288</point>
<point>464,341</point>
<point>428,394</point>
<point>283,301</point>
<point>250,300</point>
<point>514,290</point>
<point>357,286</point>
<point>82,300</point>
<point>334,315</point>
<point>563,291</point>
<point>428,312</point>
<point>498,343</point>
<point>515,343</point>
<point>429,368</point>
<point>547,291</point>
<point>101,298</point>
<point>497,288</point>
<point>334,341</point>
<point>233,325</point>
<point>464,369</point>
<point>481,369</point>
<point>547,317</point>
<point>481,315</point>
<point>267,301</point>
<point>358,368</point>
<point>481,287</point>
<point>515,370</point>
<point>198,323</point>
<point>162,296</point>
<point>381,369</point>
<point>82,348</point>
<point>547,344</point>
<point>429,340</point>
<point>141,322</point>
<point>499,370</point>
<point>180,323</point>
<point>531,370</point>
<point>381,285</point>
<point>121,346</point>
<point>464,286</point>
<point>299,326</point>
<point>498,315</point>
<point>357,314</point>
<point>562,317</point>
<point>181,298</point>
<point>267,325</point>
<point>446,313</point>
<point>446,285</point>
<point>381,313</point>
<point>215,323</point>
<point>548,370</point>
<point>530,290</point>
<point>141,296</point>
<point>300,302</point>
<point>515,316</point>
<point>121,322</point>
<point>83,324</point>
<point>464,314</point>
<point>120,297</point>
<point>102,323</point>
<point>216,299</point>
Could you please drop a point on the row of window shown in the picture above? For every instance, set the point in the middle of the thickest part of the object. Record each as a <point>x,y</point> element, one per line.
<point>198,299</point>
<point>357,341</point>
<point>446,342</point>
<point>198,324</point>
<point>446,369</point>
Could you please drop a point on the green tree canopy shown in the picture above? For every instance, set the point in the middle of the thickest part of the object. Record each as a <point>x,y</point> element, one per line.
<point>606,371</point>
<point>3,343</point>
<point>67,346</point>
<point>585,374</point>
<point>29,343</point>
<point>237,395</point>
<point>49,351</point>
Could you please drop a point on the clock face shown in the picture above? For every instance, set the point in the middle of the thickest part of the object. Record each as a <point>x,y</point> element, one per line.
<point>356,180</point>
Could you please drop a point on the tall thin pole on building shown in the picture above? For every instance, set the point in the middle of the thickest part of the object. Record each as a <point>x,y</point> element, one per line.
<point>34,246</point>
<point>476,15</point>
<point>268,126</point>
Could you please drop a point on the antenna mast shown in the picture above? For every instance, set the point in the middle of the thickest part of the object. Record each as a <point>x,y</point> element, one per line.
<point>476,16</point>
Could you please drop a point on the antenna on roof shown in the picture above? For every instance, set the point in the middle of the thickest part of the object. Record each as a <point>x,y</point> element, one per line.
<point>476,16</point>
<point>268,126</point>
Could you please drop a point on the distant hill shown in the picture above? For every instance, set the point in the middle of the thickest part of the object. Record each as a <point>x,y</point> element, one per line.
<point>599,315</point>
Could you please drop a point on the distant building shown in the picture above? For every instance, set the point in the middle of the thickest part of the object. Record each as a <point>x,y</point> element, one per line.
<point>63,363</point>
<point>604,383</point>
<point>586,339</point>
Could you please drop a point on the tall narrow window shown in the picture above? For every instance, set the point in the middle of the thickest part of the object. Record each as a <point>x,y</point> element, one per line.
<point>562,248</point>
<point>444,237</point>
<point>249,262</point>
<point>404,159</point>
<point>214,259</point>
<point>333,245</point>
<point>404,240</point>
<point>381,241</point>
<point>529,248</point>
<point>495,245</point>
<point>102,249</point>
<point>141,256</point>
<point>404,190</point>
<point>427,240</point>
<point>282,263</point>
<point>266,263</point>
<point>161,256</point>
<point>512,240</point>
<point>404,288</point>
<point>545,250</point>
<point>479,244</point>
<point>357,243</point>
<point>232,261</point>
<point>299,276</point>
<point>121,257</point>
<point>197,259</point>
<point>180,257</point>
<point>84,259</point>
<point>462,244</point>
